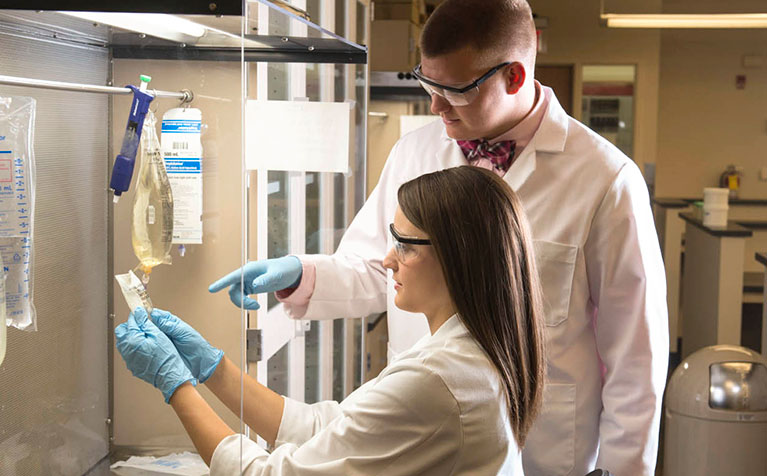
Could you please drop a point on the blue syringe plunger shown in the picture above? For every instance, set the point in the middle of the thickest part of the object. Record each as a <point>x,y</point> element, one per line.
<point>122,171</point>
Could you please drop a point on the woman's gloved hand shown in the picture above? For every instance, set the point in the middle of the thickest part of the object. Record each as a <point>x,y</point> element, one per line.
<point>150,355</point>
<point>200,357</point>
<point>264,276</point>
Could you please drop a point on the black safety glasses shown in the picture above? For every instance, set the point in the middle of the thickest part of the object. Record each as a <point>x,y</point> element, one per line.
<point>456,96</point>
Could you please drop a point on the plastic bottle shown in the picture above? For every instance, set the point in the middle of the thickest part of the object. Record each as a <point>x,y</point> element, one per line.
<point>152,231</point>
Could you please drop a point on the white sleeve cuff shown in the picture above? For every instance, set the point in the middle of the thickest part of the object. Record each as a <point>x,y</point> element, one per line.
<point>227,458</point>
<point>301,421</point>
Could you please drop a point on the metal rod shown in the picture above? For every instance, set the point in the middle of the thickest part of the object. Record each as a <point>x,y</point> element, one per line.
<point>184,96</point>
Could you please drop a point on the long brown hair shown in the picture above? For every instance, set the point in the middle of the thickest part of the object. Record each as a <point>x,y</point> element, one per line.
<point>482,240</point>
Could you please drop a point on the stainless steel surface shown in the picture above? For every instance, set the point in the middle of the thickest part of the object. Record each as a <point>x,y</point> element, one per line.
<point>54,397</point>
<point>253,345</point>
<point>184,96</point>
<point>401,79</point>
<point>738,386</point>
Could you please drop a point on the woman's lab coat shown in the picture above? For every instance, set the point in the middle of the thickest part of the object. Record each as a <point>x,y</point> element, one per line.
<point>438,409</point>
<point>602,275</point>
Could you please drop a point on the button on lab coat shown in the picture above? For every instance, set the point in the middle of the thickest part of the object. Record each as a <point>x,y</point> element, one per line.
<point>602,276</point>
<point>438,409</point>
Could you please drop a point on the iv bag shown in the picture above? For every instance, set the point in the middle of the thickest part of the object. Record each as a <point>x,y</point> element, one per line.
<point>152,231</point>
<point>17,208</point>
<point>3,330</point>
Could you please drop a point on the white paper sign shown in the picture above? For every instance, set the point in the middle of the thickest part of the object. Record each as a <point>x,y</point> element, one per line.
<point>411,123</point>
<point>297,135</point>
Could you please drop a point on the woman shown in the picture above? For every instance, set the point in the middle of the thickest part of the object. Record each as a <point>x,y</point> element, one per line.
<point>461,401</point>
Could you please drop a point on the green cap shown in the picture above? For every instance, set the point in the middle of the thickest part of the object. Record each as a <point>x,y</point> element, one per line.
<point>145,78</point>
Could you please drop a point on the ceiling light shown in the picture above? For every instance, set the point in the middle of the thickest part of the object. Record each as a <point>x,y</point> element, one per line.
<point>671,20</point>
<point>160,25</point>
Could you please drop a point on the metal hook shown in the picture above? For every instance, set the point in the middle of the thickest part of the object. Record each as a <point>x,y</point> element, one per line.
<point>188,97</point>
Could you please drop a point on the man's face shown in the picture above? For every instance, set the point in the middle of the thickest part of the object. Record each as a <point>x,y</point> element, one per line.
<point>488,115</point>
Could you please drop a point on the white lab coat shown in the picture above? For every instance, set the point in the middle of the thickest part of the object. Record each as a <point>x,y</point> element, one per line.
<point>438,409</point>
<point>602,276</point>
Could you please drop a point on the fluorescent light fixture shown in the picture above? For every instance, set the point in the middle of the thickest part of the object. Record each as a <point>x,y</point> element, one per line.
<point>160,25</point>
<point>672,20</point>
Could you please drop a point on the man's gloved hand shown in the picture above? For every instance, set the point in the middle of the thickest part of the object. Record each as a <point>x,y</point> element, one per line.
<point>263,276</point>
<point>199,356</point>
<point>150,355</point>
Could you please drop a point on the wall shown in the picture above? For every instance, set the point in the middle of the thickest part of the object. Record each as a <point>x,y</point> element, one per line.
<point>704,122</point>
<point>383,133</point>
<point>690,119</point>
<point>575,37</point>
<point>142,419</point>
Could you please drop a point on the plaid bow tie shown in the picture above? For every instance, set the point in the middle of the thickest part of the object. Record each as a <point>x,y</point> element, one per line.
<point>501,154</point>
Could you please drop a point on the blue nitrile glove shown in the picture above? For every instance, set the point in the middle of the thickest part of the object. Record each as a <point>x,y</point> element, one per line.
<point>150,355</point>
<point>264,276</point>
<point>199,356</point>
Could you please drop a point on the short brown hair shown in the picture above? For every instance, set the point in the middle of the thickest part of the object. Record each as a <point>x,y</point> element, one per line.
<point>483,243</point>
<point>495,29</point>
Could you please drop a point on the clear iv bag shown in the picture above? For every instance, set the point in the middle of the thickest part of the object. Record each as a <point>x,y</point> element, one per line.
<point>152,231</point>
<point>3,329</point>
<point>17,208</point>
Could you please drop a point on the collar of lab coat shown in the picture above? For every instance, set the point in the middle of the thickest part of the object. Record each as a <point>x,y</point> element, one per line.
<point>450,329</point>
<point>549,138</point>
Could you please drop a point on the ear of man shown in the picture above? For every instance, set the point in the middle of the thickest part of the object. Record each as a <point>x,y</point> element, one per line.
<point>515,76</point>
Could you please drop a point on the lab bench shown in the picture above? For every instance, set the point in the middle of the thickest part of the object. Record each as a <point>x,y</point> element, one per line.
<point>671,230</point>
<point>762,259</point>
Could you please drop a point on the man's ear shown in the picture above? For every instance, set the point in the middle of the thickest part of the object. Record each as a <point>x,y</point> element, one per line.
<point>515,77</point>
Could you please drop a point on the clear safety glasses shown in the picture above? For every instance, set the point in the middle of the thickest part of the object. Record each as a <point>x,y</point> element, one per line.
<point>455,95</point>
<point>403,245</point>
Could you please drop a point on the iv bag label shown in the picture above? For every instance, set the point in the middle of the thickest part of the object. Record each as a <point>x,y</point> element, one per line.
<point>15,254</point>
<point>182,153</point>
<point>14,193</point>
<point>6,170</point>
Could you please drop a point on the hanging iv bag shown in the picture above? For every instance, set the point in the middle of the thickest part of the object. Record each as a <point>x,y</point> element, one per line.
<point>152,230</point>
<point>17,209</point>
<point>3,313</point>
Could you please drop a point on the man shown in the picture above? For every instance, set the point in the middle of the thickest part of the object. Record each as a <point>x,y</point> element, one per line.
<point>596,246</point>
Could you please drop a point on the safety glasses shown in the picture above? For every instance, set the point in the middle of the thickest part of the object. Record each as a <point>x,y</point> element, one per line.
<point>455,95</point>
<point>403,245</point>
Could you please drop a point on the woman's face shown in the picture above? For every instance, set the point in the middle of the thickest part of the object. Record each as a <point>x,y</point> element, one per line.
<point>418,279</point>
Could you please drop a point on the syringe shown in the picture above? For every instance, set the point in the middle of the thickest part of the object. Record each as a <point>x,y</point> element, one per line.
<point>122,171</point>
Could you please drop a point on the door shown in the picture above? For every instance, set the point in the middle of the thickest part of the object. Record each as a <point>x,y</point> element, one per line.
<point>560,79</point>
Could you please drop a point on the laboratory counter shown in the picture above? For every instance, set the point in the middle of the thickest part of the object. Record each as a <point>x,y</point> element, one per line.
<point>732,229</point>
<point>683,202</point>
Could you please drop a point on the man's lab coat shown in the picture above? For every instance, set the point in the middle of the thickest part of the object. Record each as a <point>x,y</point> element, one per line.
<point>602,275</point>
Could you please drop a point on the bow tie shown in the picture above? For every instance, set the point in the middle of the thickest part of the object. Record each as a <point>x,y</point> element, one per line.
<point>501,154</point>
